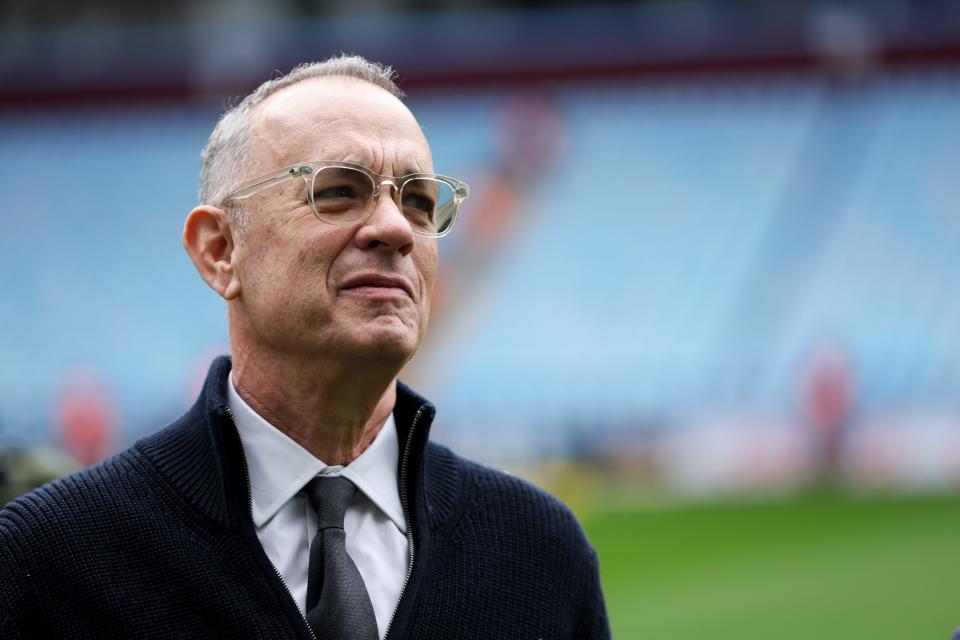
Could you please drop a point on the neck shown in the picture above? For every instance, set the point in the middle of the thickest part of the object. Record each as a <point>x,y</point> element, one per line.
<point>331,408</point>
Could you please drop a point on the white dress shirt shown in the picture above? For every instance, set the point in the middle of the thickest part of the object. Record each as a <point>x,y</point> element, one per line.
<point>285,523</point>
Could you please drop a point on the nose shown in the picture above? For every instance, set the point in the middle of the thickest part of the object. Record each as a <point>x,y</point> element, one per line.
<point>386,227</point>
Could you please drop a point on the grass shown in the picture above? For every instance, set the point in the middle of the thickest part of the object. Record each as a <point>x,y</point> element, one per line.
<point>812,566</point>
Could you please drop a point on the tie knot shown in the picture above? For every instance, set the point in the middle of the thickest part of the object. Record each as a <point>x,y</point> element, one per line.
<point>330,496</point>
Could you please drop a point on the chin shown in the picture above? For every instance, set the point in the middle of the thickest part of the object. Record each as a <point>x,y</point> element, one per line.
<point>386,342</point>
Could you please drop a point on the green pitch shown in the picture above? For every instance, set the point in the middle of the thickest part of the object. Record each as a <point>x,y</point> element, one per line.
<point>818,566</point>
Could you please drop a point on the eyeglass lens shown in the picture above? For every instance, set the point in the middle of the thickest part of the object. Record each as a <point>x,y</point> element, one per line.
<point>341,194</point>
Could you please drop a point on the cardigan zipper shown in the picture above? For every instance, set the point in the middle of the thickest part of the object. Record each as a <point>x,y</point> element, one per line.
<point>246,477</point>
<point>406,515</point>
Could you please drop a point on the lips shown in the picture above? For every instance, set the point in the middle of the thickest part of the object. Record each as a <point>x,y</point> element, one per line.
<point>377,280</point>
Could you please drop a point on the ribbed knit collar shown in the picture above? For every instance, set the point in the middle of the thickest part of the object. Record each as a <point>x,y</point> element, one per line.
<point>206,464</point>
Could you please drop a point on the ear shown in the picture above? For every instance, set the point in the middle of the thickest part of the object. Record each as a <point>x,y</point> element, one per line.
<point>208,238</point>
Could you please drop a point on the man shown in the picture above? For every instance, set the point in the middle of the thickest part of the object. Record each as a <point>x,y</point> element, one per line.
<point>300,497</point>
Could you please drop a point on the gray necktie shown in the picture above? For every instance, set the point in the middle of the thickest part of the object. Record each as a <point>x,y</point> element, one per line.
<point>338,606</point>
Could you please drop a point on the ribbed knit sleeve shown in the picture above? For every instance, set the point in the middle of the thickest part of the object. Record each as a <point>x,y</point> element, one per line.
<point>593,623</point>
<point>18,598</point>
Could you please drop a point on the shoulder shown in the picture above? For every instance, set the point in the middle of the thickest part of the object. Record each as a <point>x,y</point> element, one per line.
<point>135,485</point>
<point>59,531</point>
<point>507,502</point>
<point>506,533</point>
<point>495,487</point>
<point>73,500</point>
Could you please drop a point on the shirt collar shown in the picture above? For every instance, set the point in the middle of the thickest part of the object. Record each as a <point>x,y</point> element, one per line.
<point>279,467</point>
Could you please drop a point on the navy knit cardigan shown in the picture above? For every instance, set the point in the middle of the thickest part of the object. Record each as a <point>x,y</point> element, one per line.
<point>158,542</point>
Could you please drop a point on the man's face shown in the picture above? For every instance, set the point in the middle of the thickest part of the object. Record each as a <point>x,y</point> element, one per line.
<point>309,287</point>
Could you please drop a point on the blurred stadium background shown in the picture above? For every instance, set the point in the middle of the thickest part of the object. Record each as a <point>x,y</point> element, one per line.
<point>705,288</point>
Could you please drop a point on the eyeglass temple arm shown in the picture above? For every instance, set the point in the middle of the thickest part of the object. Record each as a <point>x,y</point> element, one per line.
<point>280,176</point>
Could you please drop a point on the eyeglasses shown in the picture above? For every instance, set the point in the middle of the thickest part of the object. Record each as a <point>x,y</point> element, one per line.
<point>343,192</point>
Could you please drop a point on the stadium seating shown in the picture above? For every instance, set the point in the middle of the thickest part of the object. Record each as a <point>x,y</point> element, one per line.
<point>690,247</point>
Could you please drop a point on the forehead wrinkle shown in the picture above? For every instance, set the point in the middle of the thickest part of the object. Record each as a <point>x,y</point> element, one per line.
<point>400,155</point>
<point>399,162</point>
<point>285,139</point>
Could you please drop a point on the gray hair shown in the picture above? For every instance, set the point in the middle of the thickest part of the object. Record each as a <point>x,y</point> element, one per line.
<point>223,158</point>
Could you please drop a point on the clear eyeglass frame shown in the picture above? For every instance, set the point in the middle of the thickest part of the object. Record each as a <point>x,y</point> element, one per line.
<point>310,170</point>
